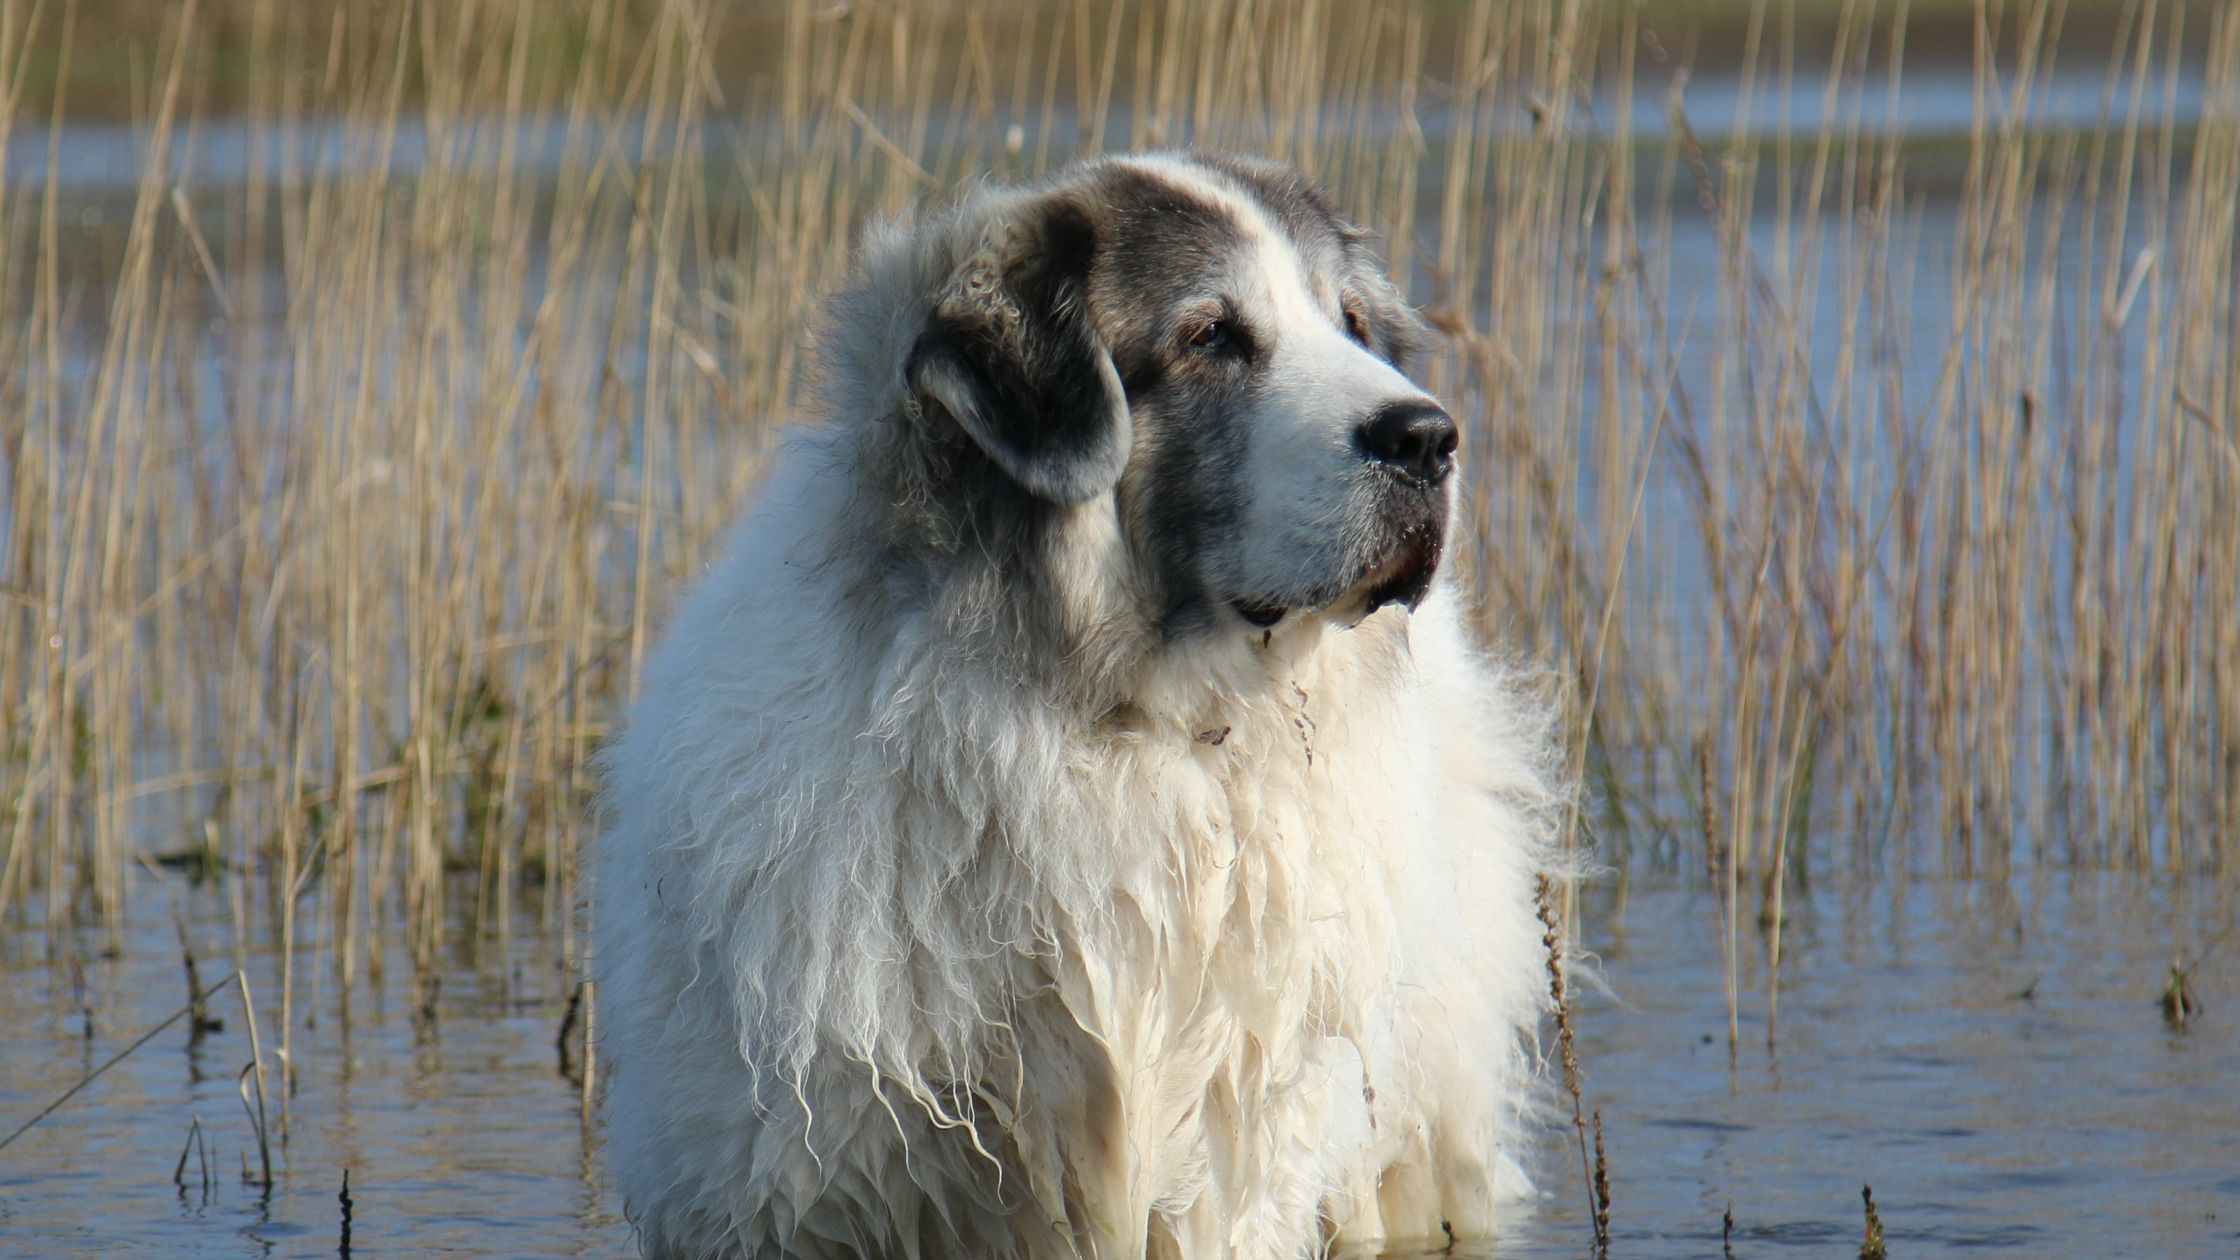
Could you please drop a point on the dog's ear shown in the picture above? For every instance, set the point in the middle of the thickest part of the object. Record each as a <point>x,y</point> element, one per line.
<point>1010,352</point>
<point>1389,326</point>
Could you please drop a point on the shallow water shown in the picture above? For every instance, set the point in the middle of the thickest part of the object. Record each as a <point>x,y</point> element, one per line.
<point>1992,1059</point>
<point>2073,1121</point>
<point>460,1135</point>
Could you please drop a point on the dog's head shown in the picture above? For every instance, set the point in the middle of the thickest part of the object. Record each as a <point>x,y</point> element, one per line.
<point>1202,350</point>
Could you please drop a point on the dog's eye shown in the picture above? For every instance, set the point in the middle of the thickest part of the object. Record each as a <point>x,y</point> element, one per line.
<point>1357,327</point>
<point>1211,335</point>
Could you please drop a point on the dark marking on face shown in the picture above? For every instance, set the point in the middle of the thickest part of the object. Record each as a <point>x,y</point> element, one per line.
<point>1386,324</point>
<point>1165,257</point>
<point>1187,491</point>
<point>1161,270</point>
<point>1160,274</point>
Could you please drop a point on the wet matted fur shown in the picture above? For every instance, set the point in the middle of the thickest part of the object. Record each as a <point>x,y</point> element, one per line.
<point>1071,821</point>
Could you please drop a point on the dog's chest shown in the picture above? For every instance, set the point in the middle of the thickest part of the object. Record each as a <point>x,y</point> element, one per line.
<point>1246,954</point>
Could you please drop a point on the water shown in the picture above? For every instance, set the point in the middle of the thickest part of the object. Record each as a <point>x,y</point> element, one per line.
<point>1992,1059</point>
<point>461,1135</point>
<point>107,160</point>
<point>2071,1121</point>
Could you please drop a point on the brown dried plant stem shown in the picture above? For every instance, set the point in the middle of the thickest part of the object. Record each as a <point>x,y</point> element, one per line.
<point>253,1078</point>
<point>1597,1189</point>
<point>344,490</point>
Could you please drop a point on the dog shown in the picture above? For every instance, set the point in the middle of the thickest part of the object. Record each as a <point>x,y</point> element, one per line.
<point>1072,820</point>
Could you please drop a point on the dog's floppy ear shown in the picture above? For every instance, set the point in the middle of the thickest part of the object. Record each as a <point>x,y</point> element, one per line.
<point>1010,353</point>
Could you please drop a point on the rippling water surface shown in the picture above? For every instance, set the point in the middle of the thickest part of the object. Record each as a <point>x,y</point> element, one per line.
<point>460,1133</point>
<point>1992,1058</point>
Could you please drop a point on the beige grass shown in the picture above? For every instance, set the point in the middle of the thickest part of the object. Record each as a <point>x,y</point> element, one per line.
<point>343,498</point>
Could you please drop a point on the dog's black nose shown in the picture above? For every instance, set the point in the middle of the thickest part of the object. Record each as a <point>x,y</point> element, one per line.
<point>1416,438</point>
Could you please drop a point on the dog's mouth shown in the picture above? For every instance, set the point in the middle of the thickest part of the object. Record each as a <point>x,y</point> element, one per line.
<point>1404,575</point>
<point>1262,616</point>
<point>1401,575</point>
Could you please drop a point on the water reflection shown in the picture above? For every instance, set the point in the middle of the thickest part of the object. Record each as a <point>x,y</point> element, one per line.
<point>1984,1056</point>
<point>459,1134</point>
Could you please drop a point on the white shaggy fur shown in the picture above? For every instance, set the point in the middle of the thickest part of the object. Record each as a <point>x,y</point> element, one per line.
<point>921,936</point>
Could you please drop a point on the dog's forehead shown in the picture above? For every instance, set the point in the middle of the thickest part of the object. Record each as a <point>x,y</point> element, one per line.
<point>1169,226</point>
<point>1284,198</point>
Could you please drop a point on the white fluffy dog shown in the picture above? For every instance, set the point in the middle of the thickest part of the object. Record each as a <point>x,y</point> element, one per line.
<point>1072,822</point>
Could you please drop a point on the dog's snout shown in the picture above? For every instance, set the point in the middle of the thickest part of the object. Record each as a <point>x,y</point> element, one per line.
<point>1415,438</point>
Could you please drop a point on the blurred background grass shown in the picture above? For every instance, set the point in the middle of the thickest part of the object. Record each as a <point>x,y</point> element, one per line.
<point>1850,394</point>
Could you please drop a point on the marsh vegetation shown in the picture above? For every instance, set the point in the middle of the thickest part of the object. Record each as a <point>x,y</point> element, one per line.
<point>1851,398</point>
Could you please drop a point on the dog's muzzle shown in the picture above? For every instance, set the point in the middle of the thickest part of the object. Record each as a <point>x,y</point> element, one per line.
<point>1415,443</point>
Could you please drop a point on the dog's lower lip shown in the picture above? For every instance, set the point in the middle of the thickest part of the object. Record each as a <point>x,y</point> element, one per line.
<point>1261,615</point>
<point>1406,577</point>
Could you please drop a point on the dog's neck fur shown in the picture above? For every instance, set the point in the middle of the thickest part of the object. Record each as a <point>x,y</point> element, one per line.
<point>1191,925</point>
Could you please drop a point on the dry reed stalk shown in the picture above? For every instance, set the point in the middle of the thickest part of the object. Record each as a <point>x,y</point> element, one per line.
<point>1601,1189</point>
<point>1719,864</point>
<point>1551,940</point>
<point>342,494</point>
<point>193,1145</point>
<point>590,1088</point>
<point>253,1075</point>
